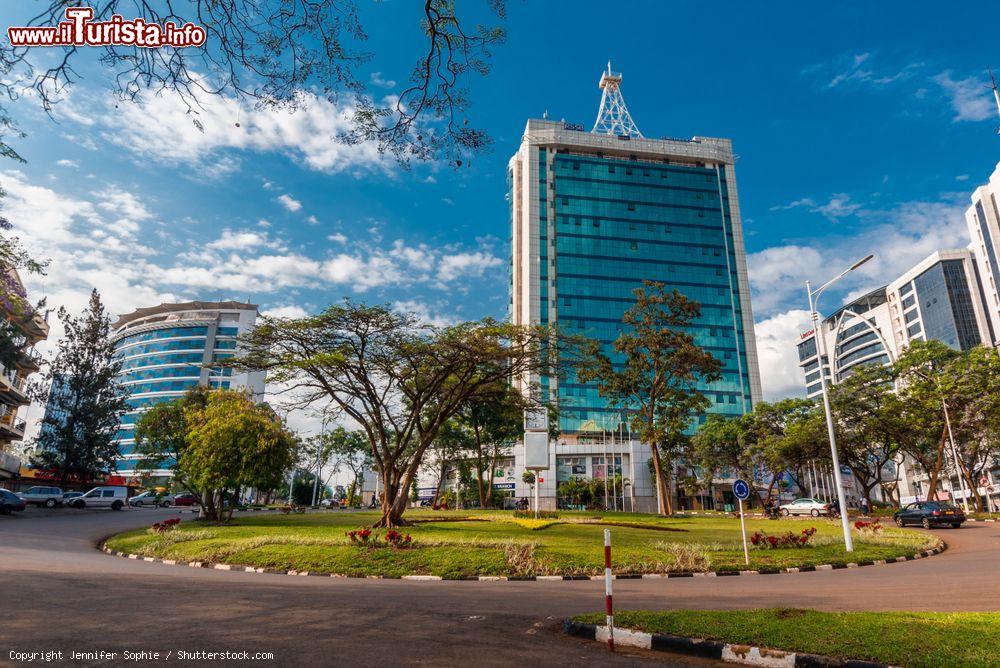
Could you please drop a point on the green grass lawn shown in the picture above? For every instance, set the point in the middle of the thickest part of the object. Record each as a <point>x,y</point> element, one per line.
<point>911,639</point>
<point>459,544</point>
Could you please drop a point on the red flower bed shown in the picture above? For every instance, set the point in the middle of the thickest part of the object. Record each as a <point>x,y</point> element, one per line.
<point>765,541</point>
<point>868,527</point>
<point>166,525</point>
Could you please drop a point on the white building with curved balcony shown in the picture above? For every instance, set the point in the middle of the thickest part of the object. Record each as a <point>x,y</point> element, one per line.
<point>168,349</point>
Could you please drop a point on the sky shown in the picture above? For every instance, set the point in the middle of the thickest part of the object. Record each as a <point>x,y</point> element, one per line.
<point>860,127</point>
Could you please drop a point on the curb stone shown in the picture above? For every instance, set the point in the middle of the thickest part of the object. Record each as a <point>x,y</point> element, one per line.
<point>712,649</point>
<point>526,578</point>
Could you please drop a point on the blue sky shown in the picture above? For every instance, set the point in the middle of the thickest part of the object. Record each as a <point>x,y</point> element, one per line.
<point>860,127</point>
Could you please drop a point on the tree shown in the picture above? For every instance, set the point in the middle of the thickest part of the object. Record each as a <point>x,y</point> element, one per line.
<point>489,424</point>
<point>867,418</point>
<point>971,385</point>
<point>269,53</point>
<point>918,373</point>
<point>349,449</point>
<point>765,443</point>
<point>655,375</point>
<point>86,402</point>
<point>233,443</point>
<point>161,434</point>
<point>400,380</point>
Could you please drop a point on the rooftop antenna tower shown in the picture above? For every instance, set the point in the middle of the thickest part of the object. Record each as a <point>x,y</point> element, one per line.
<point>613,117</point>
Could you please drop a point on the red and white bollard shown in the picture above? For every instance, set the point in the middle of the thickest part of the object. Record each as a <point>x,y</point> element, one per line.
<point>608,579</point>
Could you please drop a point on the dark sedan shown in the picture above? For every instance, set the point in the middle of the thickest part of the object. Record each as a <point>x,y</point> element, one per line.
<point>930,513</point>
<point>10,502</point>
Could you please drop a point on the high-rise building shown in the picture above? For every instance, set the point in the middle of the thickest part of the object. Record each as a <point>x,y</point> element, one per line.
<point>21,327</point>
<point>939,298</point>
<point>168,349</point>
<point>983,220</point>
<point>593,215</point>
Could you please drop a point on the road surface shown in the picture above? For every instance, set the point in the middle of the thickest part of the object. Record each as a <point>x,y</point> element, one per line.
<point>62,594</point>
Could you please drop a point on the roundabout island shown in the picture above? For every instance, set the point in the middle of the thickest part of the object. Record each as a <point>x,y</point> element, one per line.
<point>457,545</point>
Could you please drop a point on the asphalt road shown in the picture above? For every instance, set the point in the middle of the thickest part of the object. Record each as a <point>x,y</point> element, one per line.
<point>59,593</point>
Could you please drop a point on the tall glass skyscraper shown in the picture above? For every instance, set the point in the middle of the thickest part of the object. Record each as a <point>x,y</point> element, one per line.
<point>594,214</point>
<point>168,349</point>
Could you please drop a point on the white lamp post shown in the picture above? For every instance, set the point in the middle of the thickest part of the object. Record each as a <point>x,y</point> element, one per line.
<point>814,296</point>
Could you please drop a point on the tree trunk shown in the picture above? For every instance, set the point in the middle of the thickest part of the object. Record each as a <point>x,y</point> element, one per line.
<point>661,495</point>
<point>934,471</point>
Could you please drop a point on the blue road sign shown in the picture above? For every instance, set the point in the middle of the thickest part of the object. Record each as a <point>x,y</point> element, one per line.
<point>741,490</point>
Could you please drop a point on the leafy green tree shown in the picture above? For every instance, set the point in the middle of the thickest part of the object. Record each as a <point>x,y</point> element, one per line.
<point>919,374</point>
<point>77,440</point>
<point>399,380</point>
<point>759,446</point>
<point>868,419</point>
<point>971,385</point>
<point>487,426</point>
<point>349,450</point>
<point>654,373</point>
<point>161,435</point>
<point>234,443</point>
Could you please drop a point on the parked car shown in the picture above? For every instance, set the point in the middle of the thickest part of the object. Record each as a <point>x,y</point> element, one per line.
<point>150,499</point>
<point>109,496</point>
<point>50,497</point>
<point>69,496</point>
<point>805,506</point>
<point>930,513</point>
<point>10,502</point>
<point>185,499</point>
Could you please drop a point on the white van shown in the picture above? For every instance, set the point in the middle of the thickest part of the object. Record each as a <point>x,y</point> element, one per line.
<point>111,496</point>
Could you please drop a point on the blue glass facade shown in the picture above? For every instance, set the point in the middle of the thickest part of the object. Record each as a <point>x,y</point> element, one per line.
<point>606,223</point>
<point>160,364</point>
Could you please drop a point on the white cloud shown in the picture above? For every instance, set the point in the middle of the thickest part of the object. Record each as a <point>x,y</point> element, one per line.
<point>899,236</point>
<point>243,240</point>
<point>337,238</point>
<point>377,80</point>
<point>838,206</point>
<point>286,311</point>
<point>72,164</point>
<point>290,203</point>
<point>776,349</point>
<point>969,99</point>
<point>312,220</point>
<point>466,264</point>
<point>307,134</point>
<point>860,69</point>
<point>423,313</point>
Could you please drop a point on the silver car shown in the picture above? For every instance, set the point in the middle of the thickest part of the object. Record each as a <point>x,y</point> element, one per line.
<point>805,506</point>
<point>50,497</point>
<point>150,499</point>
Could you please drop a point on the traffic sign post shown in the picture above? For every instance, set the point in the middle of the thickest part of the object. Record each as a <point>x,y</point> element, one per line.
<point>741,490</point>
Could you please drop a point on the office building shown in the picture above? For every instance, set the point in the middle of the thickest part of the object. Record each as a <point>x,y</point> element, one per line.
<point>937,299</point>
<point>593,215</point>
<point>22,328</point>
<point>168,349</point>
<point>983,220</point>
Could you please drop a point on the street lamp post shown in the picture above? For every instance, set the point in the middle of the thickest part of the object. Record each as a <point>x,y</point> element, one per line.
<point>814,296</point>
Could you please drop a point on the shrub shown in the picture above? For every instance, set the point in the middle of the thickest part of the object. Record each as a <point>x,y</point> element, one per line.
<point>688,558</point>
<point>165,525</point>
<point>396,539</point>
<point>764,541</point>
<point>362,536</point>
<point>542,514</point>
<point>873,527</point>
